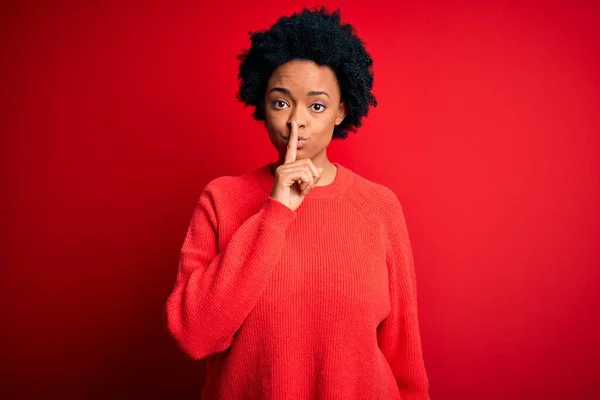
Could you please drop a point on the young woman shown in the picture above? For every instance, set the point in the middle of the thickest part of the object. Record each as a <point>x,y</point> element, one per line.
<point>296,280</point>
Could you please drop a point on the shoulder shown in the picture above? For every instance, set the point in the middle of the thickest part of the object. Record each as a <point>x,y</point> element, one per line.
<point>378,196</point>
<point>375,202</point>
<point>382,204</point>
<point>226,186</point>
<point>226,195</point>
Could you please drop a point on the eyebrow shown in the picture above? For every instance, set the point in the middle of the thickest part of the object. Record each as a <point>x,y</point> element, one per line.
<point>287,91</point>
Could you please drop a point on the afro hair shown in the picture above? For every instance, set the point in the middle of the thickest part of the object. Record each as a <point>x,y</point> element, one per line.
<point>317,36</point>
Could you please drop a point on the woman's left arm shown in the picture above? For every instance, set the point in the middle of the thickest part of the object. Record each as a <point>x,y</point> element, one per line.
<point>398,335</point>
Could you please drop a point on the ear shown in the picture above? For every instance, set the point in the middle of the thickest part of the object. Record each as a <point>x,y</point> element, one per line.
<point>341,113</point>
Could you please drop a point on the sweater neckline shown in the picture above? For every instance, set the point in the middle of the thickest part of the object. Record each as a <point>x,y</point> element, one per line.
<point>343,180</point>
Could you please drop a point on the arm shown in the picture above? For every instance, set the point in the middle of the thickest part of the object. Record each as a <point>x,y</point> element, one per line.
<point>214,293</point>
<point>398,335</point>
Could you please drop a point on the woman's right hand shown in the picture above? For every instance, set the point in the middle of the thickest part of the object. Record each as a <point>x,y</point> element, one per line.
<point>294,178</point>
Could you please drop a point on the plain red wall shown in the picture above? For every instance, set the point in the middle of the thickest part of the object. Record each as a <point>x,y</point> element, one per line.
<point>115,115</point>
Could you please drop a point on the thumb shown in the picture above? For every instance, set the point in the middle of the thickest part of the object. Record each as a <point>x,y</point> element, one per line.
<point>320,169</point>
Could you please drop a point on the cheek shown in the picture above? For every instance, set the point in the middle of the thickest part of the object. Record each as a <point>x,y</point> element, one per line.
<point>269,121</point>
<point>275,120</point>
<point>275,126</point>
<point>324,126</point>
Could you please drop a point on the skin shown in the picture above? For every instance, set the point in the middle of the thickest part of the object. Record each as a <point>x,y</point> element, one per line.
<point>302,99</point>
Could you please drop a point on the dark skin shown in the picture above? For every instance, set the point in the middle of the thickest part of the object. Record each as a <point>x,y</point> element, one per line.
<point>302,99</point>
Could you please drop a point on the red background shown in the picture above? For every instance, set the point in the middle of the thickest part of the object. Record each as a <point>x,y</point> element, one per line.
<point>116,114</point>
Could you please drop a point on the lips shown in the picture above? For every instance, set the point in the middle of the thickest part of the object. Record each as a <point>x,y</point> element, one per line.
<point>301,143</point>
<point>299,138</point>
<point>302,140</point>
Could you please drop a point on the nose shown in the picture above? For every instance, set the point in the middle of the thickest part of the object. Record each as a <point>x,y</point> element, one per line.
<point>298,116</point>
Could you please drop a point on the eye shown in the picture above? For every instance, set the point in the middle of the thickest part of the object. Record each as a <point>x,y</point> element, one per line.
<point>279,104</point>
<point>320,107</point>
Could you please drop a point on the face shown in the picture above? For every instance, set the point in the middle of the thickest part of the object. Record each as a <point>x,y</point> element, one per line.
<point>309,94</point>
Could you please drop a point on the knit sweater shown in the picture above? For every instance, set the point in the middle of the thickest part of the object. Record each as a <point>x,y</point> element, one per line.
<point>317,303</point>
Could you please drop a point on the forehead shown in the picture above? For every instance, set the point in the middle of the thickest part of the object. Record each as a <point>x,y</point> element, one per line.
<point>303,76</point>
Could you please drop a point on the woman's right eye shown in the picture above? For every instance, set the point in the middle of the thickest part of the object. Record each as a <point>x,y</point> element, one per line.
<point>279,104</point>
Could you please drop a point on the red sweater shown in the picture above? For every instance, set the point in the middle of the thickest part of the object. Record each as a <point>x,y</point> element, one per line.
<point>317,303</point>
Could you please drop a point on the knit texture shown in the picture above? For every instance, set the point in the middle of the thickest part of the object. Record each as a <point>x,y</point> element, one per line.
<point>317,303</point>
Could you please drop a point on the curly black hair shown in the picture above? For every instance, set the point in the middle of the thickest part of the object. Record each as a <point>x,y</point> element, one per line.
<point>318,36</point>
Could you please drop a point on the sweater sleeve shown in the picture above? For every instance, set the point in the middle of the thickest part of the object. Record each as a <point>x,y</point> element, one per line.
<point>215,292</point>
<point>398,335</point>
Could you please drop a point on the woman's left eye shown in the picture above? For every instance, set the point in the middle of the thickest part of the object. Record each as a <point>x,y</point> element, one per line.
<point>321,107</point>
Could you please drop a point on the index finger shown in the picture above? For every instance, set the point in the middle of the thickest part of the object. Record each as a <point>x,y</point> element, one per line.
<point>290,155</point>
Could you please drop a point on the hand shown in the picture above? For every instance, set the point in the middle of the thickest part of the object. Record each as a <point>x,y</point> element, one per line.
<point>294,178</point>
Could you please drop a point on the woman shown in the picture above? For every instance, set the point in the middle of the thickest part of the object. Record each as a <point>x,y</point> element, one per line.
<point>296,280</point>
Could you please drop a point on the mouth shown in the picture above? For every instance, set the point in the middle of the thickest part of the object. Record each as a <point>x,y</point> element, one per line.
<point>299,138</point>
<point>302,140</point>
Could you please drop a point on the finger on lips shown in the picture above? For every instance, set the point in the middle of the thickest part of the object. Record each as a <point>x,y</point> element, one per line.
<point>312,174</point>
<point>290,155</point>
